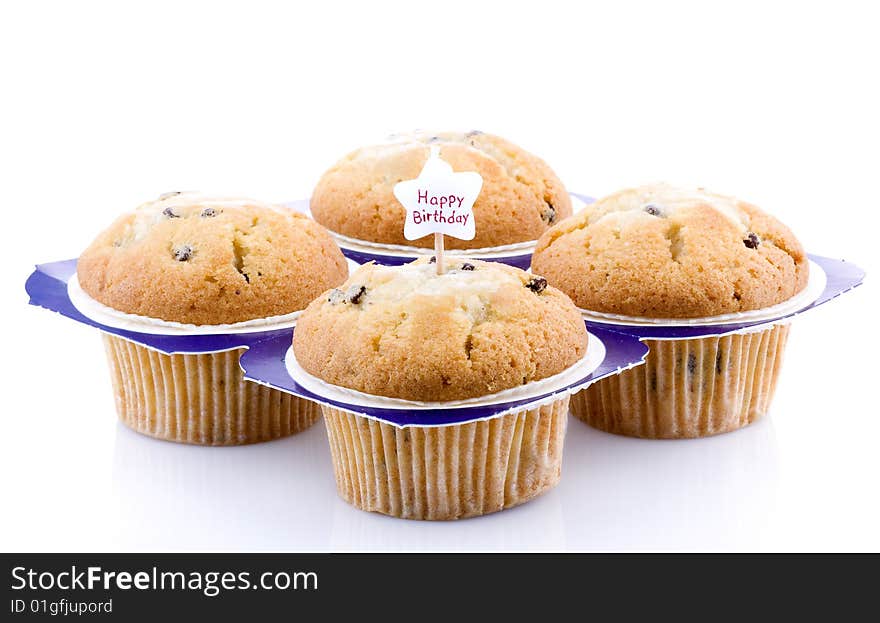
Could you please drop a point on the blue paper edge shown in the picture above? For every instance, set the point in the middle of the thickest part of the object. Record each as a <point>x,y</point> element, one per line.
<point>842,276</point>
<point>47,288</point>
<point>264,363</point>
<point>361,257</point>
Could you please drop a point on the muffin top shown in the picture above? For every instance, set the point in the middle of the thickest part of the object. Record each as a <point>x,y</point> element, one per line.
<point>406,332</point>
<point>520,199</point>
<point>200,260</point>
<point>665,252</point>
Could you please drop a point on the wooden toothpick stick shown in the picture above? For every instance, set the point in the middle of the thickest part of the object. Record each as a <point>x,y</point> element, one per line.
<point>438,251</point>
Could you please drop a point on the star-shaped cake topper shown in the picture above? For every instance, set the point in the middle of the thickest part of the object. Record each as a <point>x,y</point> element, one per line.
<point>439,200</point>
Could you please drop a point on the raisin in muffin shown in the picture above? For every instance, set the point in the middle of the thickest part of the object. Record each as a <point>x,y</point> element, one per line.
<point>669,253</point>
<point>206,261</point>
<point>520,199</point>
<point>406,332</point>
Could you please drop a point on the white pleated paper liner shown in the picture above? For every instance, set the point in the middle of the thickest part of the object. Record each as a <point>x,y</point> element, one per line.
<point>363,251</point>
<point>271,362</point>
<point>53,286</point>
<point>829,278</point>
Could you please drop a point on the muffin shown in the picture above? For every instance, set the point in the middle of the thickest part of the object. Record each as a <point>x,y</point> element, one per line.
<point>660,252</point>
<point>206,261</point>
<point>521,196</point>
<point>407,333</point>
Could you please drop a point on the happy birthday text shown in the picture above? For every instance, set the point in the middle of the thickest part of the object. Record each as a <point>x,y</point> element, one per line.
<point>438,216</point>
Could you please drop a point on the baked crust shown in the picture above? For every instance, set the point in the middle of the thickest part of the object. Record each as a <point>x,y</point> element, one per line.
<point>404,332</point>
<point>197,260</point>
<point>665,252</point>
<point>520,199</point>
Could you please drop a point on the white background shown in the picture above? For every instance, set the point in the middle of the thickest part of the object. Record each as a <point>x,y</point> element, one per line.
<point>105,105</point>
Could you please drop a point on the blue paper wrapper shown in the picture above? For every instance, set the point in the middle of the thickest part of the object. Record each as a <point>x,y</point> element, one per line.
<point>47,288</point>
<point>264,362</point>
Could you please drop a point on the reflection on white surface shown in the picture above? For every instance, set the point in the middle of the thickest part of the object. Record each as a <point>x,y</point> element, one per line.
<point>535,526</point>
<point>268,496</point>
<point>622,493</point>
<point>616,493</point>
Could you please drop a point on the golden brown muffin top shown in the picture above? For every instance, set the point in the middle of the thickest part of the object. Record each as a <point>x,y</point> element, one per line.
<point>521,196</point>
<point>666,252</point>
<point>405,332</point>
<point>200,260</point>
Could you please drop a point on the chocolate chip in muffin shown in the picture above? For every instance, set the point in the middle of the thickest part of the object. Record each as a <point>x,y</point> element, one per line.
<point>653,210</point>
<point>336,296</point>
<point>537,284</point>
<point>752,240</point>
<point>467,266</point>
<point>433,260</point>
<point>182,253</point>
<point>170,213</point>
<point>209,213</point>
<point>356,294</point>
<point>549,215</point>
